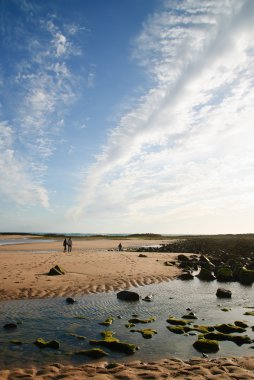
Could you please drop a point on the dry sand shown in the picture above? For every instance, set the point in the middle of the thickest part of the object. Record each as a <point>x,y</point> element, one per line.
<point>96,266</point>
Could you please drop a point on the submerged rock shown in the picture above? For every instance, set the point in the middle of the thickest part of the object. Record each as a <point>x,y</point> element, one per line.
<point>10,326</point>
<point>41,343</point>
<point>95,353</point>
<point>146,333</point>
<point>223,293</point>
<point>138,320</point>
<point>107,322</point>
<point>126,295</point>
<point>114,344</point>
<point>229,328</point>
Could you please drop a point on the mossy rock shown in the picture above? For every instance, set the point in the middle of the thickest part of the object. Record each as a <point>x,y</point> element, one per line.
<point>95,353</point>
<point>114,344</point>
<point>205,275</point>
<point>241,324</point>
<point>226,309</point>
<point>177,329</point>
<point>168,264</point>
<point>228,328</point>
<point>107,322</point>
<point>238,339</point>
<point>224,274</point>
<point>206,345</point>
<point>246,276</point>
<point>201,328</point>
<point>56,271</point>
<point>249,313</point>
<point>175,321</point>
<point>146,333</point>
<point>190,315</point>
<point>41,343</point>
<point>138,320</point>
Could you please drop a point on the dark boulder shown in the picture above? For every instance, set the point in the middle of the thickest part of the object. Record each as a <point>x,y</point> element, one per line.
<point>205,275</point>
<point>186,276</point>
<point>245,276</point>
<point>223,293</point>
<point>56,271</point>
<point>70,300</point>
<point>224,274</point>
<point>10,326</point>
<point>126,295</point>
<point>182,258</point>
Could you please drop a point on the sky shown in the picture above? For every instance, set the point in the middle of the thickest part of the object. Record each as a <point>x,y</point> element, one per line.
<point>131,116</point>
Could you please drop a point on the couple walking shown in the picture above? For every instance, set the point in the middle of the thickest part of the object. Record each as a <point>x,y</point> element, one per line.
<point>67,243</point>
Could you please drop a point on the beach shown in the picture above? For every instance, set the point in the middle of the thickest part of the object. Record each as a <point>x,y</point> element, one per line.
<point>94,266</point>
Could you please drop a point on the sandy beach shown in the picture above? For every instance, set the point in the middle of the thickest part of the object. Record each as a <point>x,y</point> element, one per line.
<point>96,266</point>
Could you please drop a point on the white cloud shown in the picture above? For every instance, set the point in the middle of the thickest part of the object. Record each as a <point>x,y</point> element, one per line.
<point>185,151</point>
<point>15,182</point>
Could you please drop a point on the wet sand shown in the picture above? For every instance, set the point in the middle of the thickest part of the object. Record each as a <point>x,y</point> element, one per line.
<point>96,266</point>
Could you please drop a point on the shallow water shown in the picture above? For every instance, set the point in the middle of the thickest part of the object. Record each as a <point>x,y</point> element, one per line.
<point>54,319</point>
<point>24,241</point>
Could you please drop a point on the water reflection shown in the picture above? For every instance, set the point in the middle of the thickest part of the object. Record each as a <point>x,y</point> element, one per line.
<point>54,319</point>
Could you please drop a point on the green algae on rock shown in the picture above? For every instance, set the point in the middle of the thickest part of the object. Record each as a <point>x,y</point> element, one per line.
<point>114,344</point>
<point>229,328</point>
<point>138,320</point>
<point>224,274</point>
<point>237,339</point>
<point>241,324</point>
<point>246,276</point>
<point>206,345</point>
<point>249,313</point>
<point>186,329</point>
<point>146,333</point>
<point>129,325</point>
<point>175,321</point>
<point>107,322</point>
<point>41,343</point>
<point>95,353</point>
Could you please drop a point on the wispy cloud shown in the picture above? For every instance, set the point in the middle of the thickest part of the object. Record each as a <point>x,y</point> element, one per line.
<point>45,86</point>
<point>185,149</point>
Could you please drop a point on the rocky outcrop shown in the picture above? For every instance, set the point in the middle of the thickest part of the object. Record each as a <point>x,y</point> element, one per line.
<point>205,275</point>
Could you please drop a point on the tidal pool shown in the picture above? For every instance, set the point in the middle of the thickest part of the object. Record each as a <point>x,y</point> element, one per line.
<point>54,319</point>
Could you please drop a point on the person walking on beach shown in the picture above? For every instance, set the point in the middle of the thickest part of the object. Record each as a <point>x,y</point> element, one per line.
<point>65,244</point>
<point>120,247</point>
<point>69,244</point>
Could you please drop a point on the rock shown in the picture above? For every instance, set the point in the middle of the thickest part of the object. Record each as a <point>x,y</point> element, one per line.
<point>205,275</point>
<point>223,293</point>
<point>107,322</point>
<point>241,324</point>
<point>10,326</point>
<point>114,344</point>
<point>92,353</point>
<point>41,343</point>
<point>146,333</point>
<point>204,262</point>
<point>142,255</point>
<point>148,298</point>
<point>229,328</point>
<point>174,321</point>
<point>186,276</point>
<point>206,345</point>
<point>224,274</point>
<point>168,263</point>
<point>56,271</point>
<point>190,315</point>
<point>182,258</point>
<point>246,276</point>
<point>237,339</point>
<point>126,295</point>
<point>70,300</point>
<point>138,320</point>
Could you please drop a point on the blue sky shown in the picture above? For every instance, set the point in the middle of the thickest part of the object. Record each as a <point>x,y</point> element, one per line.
<point>127,116</point>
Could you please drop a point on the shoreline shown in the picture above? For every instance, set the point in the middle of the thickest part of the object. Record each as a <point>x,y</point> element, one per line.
<point>95,266</point>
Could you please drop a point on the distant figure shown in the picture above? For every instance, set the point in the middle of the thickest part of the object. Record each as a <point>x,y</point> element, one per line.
<point>69,244</point>
<point>65,244</point>
<point>120,247</point>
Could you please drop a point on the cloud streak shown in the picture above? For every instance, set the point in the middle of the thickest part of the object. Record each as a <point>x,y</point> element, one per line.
<point>184,150</point>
